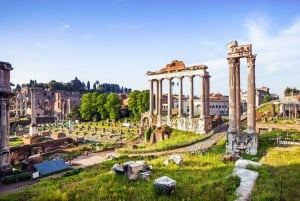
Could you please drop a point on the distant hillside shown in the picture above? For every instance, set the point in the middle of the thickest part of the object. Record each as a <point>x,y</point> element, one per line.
<point>77,85</point>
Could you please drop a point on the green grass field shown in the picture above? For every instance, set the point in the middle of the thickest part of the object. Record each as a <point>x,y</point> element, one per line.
<point>200,177</point>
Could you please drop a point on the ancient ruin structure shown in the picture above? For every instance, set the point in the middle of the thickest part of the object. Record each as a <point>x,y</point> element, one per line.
<point>177,69</point>
<point>239,141</point>
<point>5,94</point>
<point>33,131</point>
<point>64,101</point>
<point>20,105</point>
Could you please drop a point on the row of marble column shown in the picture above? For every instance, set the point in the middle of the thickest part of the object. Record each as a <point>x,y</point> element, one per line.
<point>291,107</point>
<point>235,97</point>
<point>204,111</point>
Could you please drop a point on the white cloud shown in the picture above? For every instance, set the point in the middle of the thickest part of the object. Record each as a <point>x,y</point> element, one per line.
<point>276,51</point>
<point>278,57</point>
<point>66,26</point>
<point>126,26</point>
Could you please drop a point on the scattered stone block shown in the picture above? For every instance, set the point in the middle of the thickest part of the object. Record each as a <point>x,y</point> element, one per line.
<point>145,175</point>
<point>176,159</point>
<point>164,185</point>
<point>132,170</point>
<point>118,169</point>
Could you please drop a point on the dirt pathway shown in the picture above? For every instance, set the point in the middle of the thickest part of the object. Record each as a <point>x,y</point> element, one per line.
<point>199,146</point>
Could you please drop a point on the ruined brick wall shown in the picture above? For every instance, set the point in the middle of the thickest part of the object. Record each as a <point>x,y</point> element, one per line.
<point>22,152</point>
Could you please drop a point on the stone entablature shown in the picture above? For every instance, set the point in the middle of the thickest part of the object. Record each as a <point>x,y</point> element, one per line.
<point>5,69</point>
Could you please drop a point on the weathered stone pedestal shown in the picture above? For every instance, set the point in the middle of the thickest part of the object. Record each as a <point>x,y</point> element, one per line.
<point>241,142</point>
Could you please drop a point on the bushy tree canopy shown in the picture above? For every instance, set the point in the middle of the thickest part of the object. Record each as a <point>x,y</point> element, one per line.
<point>96,106</point>
<point>138,102</point>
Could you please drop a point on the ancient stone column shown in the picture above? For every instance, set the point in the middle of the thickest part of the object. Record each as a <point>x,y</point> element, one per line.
<point>17,106</point>
<point>156,97</point>
<point>180,98</point>
<point>207,95</point>
<point>273,110</point>
<point>238,96</point>
<point>170,99</point>
<point>191,111</point>
<point>233,62</point>
<point>159,95</point>
<point>33,127</point>
<point>251,113</point>
<point>151,98</point>
<point>203,97</point>
<point>5,95</point>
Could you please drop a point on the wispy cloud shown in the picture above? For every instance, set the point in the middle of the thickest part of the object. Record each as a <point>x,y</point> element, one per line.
<point>66,26</point>
<point>123,26</point>
<point>279,50</point>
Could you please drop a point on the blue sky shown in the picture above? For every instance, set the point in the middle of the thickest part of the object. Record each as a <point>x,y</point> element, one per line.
<point>118,41</point>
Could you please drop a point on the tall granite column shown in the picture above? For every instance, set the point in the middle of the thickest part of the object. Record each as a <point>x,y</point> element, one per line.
<point>159,104</point>
<point>159,95</point>
<point>233,62</point>
<point>203,97</point>
<point>207,95</point>
<point>191,111</point>
<point>151,98</point>
<point>238,96</point>
<point>180,98</point>
<point>251,114</point>
<point>170,98</point>
<point>156,96</point>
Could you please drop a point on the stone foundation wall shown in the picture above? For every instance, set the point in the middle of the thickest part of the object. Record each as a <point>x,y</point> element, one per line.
<point>22,152</point>
<point>269,127</point>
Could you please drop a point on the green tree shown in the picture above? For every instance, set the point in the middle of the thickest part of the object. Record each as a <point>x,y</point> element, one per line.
<point>133,103</point>
<point>88,108</point>
<point>138,103</point>
<point>267,98</point>
<point>113,106</point>
<point>101,101</point>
